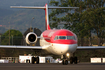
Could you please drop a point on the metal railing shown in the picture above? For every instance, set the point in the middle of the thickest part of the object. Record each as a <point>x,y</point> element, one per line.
<point>13,40</point>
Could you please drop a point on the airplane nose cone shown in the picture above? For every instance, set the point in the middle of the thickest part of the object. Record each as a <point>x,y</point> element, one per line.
<point>61,49</point>
<point>68,48</point>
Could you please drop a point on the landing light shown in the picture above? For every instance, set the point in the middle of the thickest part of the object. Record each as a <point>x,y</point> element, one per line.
<point>67,54</point>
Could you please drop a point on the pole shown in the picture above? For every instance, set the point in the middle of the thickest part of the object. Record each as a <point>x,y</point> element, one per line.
<point>9,33</point>
<point>12,39</point>
<point>0,39</point>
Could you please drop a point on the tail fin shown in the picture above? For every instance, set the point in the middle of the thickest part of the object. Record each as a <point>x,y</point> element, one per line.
<point>46,11</point>
<point>46,17</point>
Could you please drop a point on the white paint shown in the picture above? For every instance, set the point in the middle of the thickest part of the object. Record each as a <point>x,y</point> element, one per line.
<point>60,49</point>
<point>41,59</point>
<point>103,60</point>
<point>95,60</point>
<point>4,61</point>
<point>22,59</point>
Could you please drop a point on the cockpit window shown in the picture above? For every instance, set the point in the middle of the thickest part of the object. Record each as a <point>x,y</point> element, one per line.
<point>65,37</point>
<point>56,38</point>
<point>62,37</point>
<point>71,37</point>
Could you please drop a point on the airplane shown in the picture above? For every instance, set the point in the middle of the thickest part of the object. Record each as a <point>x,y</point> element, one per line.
<point>56,41</point>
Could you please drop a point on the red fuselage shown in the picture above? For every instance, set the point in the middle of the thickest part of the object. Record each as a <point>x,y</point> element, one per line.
<point>50,35</point>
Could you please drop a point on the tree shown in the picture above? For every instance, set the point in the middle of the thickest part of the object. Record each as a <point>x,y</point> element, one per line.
<point>11,37</point>
<point>88,19</point>
<point>94,18</point>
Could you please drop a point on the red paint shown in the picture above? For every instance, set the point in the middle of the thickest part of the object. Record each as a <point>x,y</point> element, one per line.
<point>46,18</point>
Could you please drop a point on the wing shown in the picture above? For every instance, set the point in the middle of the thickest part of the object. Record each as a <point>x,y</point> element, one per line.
<point>24,47</point>
<point>90,47</point>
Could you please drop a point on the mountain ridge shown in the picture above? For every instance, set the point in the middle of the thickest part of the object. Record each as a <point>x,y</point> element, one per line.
<point>23,19</point>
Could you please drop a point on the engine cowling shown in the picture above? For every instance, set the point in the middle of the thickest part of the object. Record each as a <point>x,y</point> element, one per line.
<point>31,38</point>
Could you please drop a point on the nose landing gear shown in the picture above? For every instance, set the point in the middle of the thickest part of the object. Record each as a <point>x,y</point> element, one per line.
<point>65,62</point>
